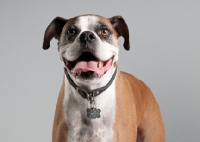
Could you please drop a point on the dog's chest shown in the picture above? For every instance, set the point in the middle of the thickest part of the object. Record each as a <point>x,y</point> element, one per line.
<point>80,127</point>
<point>88,131</point>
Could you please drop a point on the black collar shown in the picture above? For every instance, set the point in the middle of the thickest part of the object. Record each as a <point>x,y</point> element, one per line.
<point>90,94</point>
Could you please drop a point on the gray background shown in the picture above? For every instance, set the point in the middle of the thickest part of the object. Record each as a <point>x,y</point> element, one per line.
<point>165,54</point>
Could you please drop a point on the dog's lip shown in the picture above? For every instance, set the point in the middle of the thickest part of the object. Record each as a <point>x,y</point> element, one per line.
<point>88,62</point>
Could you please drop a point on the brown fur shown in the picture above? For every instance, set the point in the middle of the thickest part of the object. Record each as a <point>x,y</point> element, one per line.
<point>59,133</point>
<point>137,112</point>
<point>137,118</point>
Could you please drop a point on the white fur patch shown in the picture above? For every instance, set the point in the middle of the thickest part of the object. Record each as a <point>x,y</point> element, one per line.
<point>87,23</point>
<point>80,127</point>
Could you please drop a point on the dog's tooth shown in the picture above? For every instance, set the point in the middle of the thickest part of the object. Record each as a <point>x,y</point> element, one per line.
<point>78,73</point>
<point>99,64</point>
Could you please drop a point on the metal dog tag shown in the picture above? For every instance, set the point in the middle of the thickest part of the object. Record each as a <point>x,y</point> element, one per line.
<point>93,113</point>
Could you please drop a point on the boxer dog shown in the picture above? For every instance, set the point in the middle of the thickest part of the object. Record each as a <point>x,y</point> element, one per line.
<point>97,101</point>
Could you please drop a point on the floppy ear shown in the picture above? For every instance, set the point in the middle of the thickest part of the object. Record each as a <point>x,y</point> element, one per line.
<point>122,29</point>
<point>53,30</point>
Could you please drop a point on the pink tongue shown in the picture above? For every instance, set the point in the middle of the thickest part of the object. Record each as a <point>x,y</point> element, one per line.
<point>92,66</point>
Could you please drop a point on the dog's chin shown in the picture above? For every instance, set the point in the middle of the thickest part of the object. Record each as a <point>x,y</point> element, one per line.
<point>89,75</point>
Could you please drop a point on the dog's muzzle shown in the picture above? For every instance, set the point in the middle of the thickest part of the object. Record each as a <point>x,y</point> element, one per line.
<point>87,65</point>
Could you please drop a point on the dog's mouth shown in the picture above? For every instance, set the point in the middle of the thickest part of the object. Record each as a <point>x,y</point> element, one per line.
<point>88,66</point>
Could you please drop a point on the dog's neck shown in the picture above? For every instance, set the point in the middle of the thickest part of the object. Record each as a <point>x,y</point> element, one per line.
<point>90,94</point>
<point>76,116</point>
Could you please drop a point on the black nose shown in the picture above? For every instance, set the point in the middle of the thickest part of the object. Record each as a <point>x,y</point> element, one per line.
<point>87,36</point>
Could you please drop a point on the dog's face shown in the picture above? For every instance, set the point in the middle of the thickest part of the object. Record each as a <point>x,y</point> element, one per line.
<point>88,44</point>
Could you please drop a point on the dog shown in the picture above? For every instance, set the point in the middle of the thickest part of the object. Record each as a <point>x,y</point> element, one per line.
<point>98,102</point>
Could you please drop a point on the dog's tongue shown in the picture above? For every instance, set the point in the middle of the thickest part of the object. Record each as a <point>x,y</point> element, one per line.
<point>99,67</point>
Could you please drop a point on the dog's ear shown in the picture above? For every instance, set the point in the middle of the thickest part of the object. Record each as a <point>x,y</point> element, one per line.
<point>53,30</point>
<point>122,29</point>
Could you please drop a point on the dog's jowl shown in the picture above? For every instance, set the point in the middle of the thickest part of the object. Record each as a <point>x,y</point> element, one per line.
<point>98,102</point>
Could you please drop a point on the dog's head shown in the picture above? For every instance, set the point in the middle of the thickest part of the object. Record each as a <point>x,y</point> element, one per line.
<point>88,44</point>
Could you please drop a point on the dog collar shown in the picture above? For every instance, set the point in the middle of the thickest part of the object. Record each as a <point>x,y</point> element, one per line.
<point>89,95</point>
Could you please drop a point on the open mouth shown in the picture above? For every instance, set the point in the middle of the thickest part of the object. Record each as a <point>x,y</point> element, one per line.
<point>87,64</point>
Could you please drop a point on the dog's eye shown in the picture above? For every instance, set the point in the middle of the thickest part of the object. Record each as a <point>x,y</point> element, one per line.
<point>104,32</point>
<point>71,32</point>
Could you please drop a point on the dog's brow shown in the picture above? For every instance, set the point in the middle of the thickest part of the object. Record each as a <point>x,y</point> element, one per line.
<point>104,26</point>
<point>101,25</point>
<point>73,25</point>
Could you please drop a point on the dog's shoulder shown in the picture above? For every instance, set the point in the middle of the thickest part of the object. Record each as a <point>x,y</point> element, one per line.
<point>138,88</point>
<point>133,81</point>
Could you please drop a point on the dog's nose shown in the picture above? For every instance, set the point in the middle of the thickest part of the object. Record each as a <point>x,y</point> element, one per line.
<point>87,36</point>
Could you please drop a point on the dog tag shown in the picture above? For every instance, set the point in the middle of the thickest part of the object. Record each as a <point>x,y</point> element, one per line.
<point>93,113</point>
